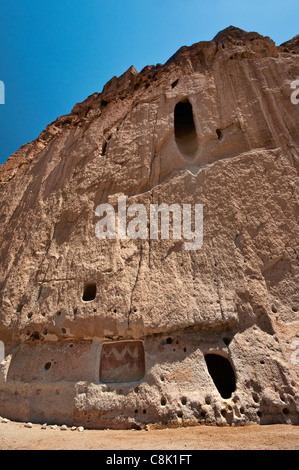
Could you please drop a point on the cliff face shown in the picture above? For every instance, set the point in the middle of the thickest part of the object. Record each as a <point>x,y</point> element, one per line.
<point>120,333</point>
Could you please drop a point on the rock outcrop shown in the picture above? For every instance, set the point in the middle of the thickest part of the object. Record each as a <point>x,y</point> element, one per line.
<point>119,333</point>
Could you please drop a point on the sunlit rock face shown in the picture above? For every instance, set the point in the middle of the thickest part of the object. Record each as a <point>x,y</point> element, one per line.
<point>123,332</point>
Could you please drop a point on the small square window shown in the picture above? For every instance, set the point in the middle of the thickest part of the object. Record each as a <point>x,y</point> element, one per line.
<point>90,292</point>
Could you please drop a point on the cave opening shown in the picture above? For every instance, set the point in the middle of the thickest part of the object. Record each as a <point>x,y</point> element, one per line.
<point>222,373</point>
<point>184,128</point>
<point>90,291</point>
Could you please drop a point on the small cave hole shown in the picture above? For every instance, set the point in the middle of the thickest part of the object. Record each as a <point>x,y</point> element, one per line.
<point>169,341</point>
<point>19,308</point>
<point>163,401</point>
<point>227,341</point>
<point>104,148</point>
<point>184,128</point>
<point>222,374</point>
<point>90,291</point>
<point>48,365</point>
<point>219,134</point>
<point>174,84</point>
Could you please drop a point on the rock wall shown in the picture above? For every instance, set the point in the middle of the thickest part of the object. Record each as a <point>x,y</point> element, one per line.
<point>122,333</point>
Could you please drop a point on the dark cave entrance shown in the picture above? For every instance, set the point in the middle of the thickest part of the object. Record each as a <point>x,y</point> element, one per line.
<point>222,373</point>
<point>184,128</point>
<point>90,292</point>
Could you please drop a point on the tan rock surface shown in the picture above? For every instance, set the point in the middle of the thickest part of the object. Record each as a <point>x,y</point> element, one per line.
<point>235,298</point>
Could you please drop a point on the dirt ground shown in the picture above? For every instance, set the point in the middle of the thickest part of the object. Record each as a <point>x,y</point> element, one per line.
<point>15,436</point>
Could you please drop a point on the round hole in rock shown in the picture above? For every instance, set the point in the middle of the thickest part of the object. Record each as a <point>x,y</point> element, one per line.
<point>48,365</point>
<point>222,373</point>
<point>90,291</point>
<point>184,128</point>
<point>208,400</point>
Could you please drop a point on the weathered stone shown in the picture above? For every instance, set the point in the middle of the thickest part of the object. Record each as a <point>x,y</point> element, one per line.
<point>28,425</point>
<point>123,333</point>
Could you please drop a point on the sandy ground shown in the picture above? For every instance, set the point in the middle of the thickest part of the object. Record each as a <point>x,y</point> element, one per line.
<point>15,436</point>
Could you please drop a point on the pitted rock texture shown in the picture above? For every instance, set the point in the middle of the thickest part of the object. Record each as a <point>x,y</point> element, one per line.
<point>121,333</point>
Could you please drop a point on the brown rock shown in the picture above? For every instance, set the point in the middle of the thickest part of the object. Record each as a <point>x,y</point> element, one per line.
<point>164,335</point>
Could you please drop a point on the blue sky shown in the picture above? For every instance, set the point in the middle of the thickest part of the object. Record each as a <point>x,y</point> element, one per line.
<point>55,53</point>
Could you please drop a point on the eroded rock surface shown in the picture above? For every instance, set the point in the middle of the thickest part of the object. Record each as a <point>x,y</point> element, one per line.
<point>164,335</point>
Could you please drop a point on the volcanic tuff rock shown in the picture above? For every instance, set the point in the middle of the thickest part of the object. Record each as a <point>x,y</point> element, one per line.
<point>121,333</point>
